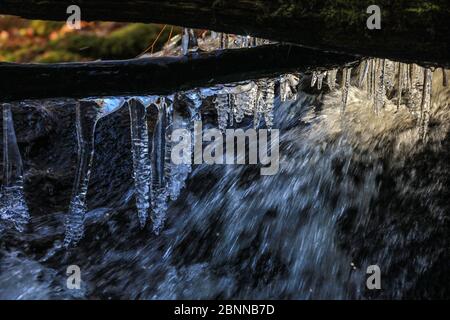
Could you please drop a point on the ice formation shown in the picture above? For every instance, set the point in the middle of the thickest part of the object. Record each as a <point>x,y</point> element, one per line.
<point>13,207</point>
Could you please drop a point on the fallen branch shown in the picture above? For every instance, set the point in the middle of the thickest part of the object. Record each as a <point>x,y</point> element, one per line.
<point>163,75</point>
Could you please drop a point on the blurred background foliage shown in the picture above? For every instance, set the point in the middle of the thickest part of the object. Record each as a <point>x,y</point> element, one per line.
<point>50,42</point>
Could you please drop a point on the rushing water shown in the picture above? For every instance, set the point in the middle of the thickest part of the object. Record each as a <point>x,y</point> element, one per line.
<point>355,188</point>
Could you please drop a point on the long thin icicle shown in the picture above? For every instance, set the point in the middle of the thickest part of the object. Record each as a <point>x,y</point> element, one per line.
<point>288,86</point>
<point>269,103</point>
<point>400,84</point>
<point>314,78</point>
<point>331,78</point>
<point>87,116</point>
<point>380,92</point>
<point>223,41</point>
<point>346,76</point>
<point>370,77</point>
<point>168,179</point>
<point>189,41</point>
<point>363,73</point>
<point>265,102</point>
<point>180,172</point>
<point>88,112</point>
<point>168,166</point>
<point>159,189</point>
<point>223,108</point>
<point>426,104</point>
<point>320,78</point>
<point>414,92</point>
<point>13,208</point>
<point>444,78</point>
<point>142,169</point>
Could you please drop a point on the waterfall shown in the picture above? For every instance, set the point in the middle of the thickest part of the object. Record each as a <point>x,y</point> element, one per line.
<point>308,232</point>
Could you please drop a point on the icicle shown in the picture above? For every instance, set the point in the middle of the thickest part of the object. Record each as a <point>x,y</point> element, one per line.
<point>246,42</point>
<point>400,84</point>
<point>375,79</point>
<point>317,77</point>
<point>189,41</point>
<point>283,88</point>
<point>425,106</point>
<point>231,101</point>
<point>414,93</point>
<point>269,99</point>
<point>331,78</point>
<point>239,111</point>
<point>176,174</point>
<point>261,42</point>
<point>88,112</point>
<point>389,76</point>
<point>214,35</point>
<point>223,41</point>
<point>346,76</point>
<point>222,103</point>
<point>240,104</point>
<point>169,180</point>
<point>169,129</point>
<point>413,74</point>
<point>288,84</point>
<point>13,207</point>
<point>160,192</point>
<point>314,78</point>
<point>180,172</point>
<point>250,101</point>
<point>195,104</point>
<point>142,169</point>
<point>363,73</point>
<point>380,89</point>
<point>241,41</point>
<point>444,78</point>
<point>320,77</point>
<point>86,117</point>
<point>244,100</point>
<point>370,75</point>
<point>265,102</point>
<point>407,78</point>
<point>373,82</point>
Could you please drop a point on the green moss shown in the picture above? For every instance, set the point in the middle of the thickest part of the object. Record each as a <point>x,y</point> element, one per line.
<point>22,54</point>
<point>124,43</point>
<point>57,56</point>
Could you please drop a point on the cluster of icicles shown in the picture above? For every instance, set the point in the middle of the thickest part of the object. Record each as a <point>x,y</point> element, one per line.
<point>378,77</point>
<point>156,179</point>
